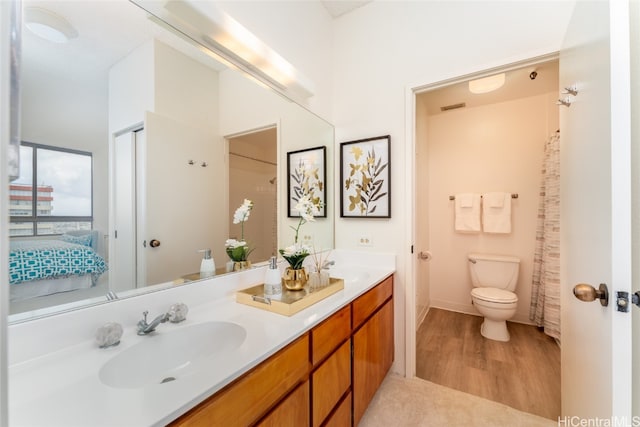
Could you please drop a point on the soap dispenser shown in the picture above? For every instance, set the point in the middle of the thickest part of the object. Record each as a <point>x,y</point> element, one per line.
<point>207,266</point>
<point>272,280</point>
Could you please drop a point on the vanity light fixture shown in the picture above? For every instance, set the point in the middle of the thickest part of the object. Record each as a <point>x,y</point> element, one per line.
<point>487,84</point>
<point>48,25</point>
<point>207,25</point>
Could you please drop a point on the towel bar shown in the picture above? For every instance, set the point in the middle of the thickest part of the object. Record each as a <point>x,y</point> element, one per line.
<point>513,196</point>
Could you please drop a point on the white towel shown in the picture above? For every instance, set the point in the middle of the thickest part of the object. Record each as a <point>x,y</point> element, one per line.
<point>467,213</point>
<point>493,200</point>
<point>496,212</point>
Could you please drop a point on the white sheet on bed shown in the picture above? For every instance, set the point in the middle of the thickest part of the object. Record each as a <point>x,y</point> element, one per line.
<point>43,287</point>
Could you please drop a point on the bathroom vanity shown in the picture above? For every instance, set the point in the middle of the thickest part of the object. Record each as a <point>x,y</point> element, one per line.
<point>320,366</point>
<point>309,381</point>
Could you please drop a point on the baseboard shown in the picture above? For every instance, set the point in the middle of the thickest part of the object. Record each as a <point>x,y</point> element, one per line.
<point>522,318</point>
<point>454,306</point>
<point>470,309</point>
<point>420,316</point>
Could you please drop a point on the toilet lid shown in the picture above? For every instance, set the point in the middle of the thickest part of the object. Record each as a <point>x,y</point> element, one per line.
<point>494,295</point>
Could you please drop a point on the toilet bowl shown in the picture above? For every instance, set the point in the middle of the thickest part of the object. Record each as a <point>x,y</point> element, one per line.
<point>494,278</point>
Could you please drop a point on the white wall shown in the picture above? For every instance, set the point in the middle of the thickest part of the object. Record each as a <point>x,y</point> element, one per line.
<point>191,98</point>
<point>497,147</point>
<point>131,85</point>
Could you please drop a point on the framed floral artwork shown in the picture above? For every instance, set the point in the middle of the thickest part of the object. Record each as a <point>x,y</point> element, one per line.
<point>365,177</point>
<point>306,176</point>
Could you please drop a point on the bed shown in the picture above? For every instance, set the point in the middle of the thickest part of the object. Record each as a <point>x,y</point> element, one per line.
<point>43,267</point>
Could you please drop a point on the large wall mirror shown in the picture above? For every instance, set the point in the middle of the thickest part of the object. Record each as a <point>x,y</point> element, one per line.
<point>138,146</point>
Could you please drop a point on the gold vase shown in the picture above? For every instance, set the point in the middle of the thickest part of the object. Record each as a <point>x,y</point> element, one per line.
<point>294,279</point>
<point>241,265</point>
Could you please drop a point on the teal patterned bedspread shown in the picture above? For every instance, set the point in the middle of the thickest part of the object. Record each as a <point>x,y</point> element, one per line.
<point>51,259</point>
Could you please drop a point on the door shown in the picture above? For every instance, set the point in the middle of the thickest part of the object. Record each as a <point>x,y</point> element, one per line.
<point>595,211</point>
<point>123,236</point>
<point>422,213</point>
<point>184,202</point>
<point>635,192</point>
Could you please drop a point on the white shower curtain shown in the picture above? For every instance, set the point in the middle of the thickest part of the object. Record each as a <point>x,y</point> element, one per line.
<point>545,289</point>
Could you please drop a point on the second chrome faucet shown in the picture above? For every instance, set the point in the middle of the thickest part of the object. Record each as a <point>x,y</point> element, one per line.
<point>145,328</point>
<point>177,313</point>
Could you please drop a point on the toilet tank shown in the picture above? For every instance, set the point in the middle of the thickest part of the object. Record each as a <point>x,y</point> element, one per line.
<point>494,271</point>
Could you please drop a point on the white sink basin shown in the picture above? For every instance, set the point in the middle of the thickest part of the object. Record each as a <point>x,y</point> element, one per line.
<point>349,276</point>
<point>164,356</point>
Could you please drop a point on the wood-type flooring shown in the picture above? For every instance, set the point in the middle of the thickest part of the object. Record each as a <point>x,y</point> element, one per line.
<point>523,373</point>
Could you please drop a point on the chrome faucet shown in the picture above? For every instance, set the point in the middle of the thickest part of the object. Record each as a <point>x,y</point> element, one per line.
<point>328,263</point>
<point>145,328</point>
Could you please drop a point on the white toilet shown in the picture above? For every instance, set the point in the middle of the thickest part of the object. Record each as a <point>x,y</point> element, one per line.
<point>494,279</point>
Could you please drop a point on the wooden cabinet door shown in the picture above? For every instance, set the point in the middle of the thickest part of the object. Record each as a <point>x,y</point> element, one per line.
<point>372,357</point>
<point>330,382</point>
<point>244,402</point>
<point>342,415</point>
<point>292,411</point>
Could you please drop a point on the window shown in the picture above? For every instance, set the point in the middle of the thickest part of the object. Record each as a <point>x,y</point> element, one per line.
<point>61,199</point>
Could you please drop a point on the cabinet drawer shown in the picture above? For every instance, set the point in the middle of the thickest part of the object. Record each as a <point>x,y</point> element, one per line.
<point>342,416</point>
<point>292,411</point>
<point>248,399</point>
<point>369,302</point>
<point>329,334</point>
<point>329,383</point>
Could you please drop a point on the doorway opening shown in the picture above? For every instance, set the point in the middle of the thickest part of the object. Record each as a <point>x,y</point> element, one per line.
<point>479,142</point>
<point>253,175</point>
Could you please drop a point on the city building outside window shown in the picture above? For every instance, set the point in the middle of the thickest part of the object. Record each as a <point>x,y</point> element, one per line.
<point>53,194</point>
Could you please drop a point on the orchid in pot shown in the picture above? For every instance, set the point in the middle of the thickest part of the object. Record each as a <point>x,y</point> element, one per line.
<point>239,250</point>
<point>295,277</point>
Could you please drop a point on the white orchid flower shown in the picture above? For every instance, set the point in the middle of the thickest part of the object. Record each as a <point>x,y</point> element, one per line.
<point>242,213</point>
<point>233,243</point>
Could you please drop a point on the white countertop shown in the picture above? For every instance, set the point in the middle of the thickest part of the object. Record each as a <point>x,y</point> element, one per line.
<point>61,386</point>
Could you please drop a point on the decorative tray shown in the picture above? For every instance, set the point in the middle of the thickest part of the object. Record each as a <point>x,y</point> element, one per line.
<point>290,302</point>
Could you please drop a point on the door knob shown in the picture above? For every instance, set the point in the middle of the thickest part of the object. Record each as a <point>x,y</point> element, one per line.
<point>588,293</point>
<point>154,243</point>
<point>426,255</point>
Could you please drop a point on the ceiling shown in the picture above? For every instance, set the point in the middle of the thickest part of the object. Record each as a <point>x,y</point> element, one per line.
<point>337,8</point>
<point>108,31</point>
<point>517,85</point>
<point>97,20</point>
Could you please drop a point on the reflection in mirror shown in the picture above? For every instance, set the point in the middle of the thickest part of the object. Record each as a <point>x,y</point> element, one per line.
<point>137,150</point>
<point>253,175</point>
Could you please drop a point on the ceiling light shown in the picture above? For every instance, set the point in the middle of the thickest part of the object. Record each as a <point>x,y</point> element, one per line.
<point>48,25</point>
<point>487,84</point>
<point>206,24</point>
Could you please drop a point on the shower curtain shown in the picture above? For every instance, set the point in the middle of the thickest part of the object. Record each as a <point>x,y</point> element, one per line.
<point>545,289</point>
